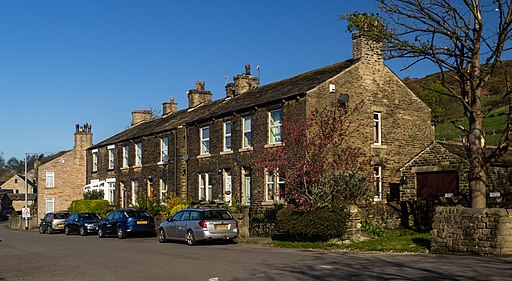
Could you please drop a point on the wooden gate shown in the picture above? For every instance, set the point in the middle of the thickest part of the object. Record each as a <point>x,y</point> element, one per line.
<point>432,188</point>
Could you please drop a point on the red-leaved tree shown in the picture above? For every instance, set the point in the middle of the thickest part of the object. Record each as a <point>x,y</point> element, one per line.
<point>321,165</point>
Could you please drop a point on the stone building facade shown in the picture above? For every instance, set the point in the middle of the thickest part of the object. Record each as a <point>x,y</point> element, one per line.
<point>62,179</point>
<point>17,184</point>
<point>203,152</point>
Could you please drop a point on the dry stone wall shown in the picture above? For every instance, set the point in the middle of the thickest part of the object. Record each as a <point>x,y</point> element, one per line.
<point>459,230</point>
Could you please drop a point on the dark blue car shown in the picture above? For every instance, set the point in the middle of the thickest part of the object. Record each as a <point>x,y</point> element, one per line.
<point>125,222</point>
<point>83,223</point>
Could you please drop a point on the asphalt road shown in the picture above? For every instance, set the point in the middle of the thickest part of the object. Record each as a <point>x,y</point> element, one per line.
<point>28,255</point>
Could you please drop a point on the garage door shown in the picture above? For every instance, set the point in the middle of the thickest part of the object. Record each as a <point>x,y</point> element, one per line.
<point>430,187</point>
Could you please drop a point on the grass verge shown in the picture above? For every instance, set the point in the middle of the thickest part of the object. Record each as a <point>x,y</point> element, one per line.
<point>396,241</point>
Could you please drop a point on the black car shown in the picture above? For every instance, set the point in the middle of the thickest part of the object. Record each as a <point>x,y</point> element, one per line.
<point>83,223</point>
<point>124,222</point>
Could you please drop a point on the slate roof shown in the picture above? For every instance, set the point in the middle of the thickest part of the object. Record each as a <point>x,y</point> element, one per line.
<point>459,150</point>
<point>21,197</point>
<point>259,96</point>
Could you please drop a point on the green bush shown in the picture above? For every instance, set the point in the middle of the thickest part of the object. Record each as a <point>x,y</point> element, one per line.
<point>100,207</point>
<point>176,208</point>
<point>320,224</point>
<point>94,195</point>
<point>372,229</point>
<point>168,209</point>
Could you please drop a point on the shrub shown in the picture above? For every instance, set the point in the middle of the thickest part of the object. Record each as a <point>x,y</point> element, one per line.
<point>100,207</point>
<point>320,224</point>
<point>169,210</point>
<point>371,228</point>
<point>94,195</point>
<point>176,208</point>
<point>151,206</point>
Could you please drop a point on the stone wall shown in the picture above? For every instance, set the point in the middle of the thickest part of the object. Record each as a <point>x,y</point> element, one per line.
<point>459,230</point>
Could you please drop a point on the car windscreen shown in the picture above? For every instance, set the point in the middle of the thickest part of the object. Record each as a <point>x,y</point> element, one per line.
<point>136,214</point>
<point>61,216</point>
<point>89,216</point>
<point>217,215</point>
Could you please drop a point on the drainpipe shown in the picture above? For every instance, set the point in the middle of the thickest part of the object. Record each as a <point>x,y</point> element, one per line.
<point>175,163</point>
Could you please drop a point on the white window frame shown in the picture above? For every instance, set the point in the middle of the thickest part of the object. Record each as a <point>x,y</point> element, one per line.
<point>273,184</point>
<point>247,130</point>
<point>163,191</point>
<point>227,136</point>
<point>164,149</point>
<point>109,190</point>
<point>125,156</point>
<point>275,126</point>
<point>49,205</point>
<point>247,185</point>
<point>377,178</point>
<point>111,158</point>
<point>377,128</point>
<point>94,160</point>
<point>205,141</point>
<point>50,179</point>
<point>138,154</point>
<point>135,190</point>
<point>205,187</point>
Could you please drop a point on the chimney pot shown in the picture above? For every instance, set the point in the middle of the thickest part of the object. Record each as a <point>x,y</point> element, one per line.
<point>247,69</point>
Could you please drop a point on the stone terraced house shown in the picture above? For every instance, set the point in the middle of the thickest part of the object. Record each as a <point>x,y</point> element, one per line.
<point>202,152</point>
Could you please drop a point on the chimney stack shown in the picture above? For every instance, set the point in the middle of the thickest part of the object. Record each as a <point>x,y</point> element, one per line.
<point>367,48</point>
<point>199,95</point>
<point>170,107</point>
<point>139,116</point>
<point>242,83</point>
<point>83,136</point>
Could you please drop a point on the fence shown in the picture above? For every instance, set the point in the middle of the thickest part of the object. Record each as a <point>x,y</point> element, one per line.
<point>262,221</point>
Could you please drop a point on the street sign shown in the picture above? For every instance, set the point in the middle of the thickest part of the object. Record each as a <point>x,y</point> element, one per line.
<point>25,212</point>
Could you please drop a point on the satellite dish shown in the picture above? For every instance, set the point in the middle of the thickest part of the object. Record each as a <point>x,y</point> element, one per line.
<point>343,99</point>
<point>185,157</point>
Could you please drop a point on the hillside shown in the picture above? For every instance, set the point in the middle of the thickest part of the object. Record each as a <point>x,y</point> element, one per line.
<point>445,109</point>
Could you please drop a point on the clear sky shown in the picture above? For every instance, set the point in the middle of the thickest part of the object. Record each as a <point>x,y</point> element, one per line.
<point>70,62</point>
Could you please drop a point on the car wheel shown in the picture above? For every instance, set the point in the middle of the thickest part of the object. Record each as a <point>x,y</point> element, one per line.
<point>101,234</point>
<point>41,230</point>
<point>66,230</point>
<point>161,236</point>
<point>121,234</point>
<point>191,239</point>
<point>82,231</point>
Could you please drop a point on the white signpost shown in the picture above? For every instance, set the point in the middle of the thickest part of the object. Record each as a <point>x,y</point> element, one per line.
<point>25,213</point>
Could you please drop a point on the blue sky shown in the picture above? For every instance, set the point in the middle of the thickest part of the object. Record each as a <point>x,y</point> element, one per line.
<point>70,62</point>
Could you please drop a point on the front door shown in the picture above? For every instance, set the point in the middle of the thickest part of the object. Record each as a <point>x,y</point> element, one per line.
<point>432,186</point>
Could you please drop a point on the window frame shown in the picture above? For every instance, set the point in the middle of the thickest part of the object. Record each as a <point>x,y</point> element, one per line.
<point>377,128</point>
<point>278,125</point>
<point>94,160</point>
<point>227,141</point>
<point>204,142</point>
<point>164,149</point>
<point>204,184</point>
<point>163,190</point>
<point>50,200</point>
<point>377,178</point>
<point>247,141</point>
<point>138,154</point>
<point>126,156</point>
<point>278,184</point>
<point>49,175</point>
<point>135,190</point>
<point>111,157</point>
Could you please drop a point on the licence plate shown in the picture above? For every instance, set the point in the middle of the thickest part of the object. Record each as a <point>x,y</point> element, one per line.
<point>142,222</point>
<point>221,226</point>
<point>60,225</point>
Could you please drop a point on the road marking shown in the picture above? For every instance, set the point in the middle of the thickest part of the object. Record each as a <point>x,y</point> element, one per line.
<point>214,279</point>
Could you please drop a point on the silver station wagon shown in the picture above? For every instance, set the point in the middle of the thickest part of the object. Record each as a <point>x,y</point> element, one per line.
<point>196,224</point>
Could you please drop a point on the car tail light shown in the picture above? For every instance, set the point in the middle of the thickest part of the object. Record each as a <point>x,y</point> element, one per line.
<point>202,224</point>
<point>53,216</point>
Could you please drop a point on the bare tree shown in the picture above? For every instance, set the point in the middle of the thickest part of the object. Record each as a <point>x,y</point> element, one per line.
<point>465,39</point>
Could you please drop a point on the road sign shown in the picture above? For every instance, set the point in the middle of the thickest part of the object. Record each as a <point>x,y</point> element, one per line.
<point>25,212</point>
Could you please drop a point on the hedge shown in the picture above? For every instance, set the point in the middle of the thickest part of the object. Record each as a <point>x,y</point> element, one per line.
<point>101,207</point>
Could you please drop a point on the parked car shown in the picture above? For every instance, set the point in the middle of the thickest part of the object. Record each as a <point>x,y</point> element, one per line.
<point>196,224</point>
<point>83,223</point>
<point>125,222</point>
<point>5,214</point>
<point>53,222</point>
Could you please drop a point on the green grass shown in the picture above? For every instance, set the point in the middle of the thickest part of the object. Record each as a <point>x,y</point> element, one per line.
<point>397,241</point>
